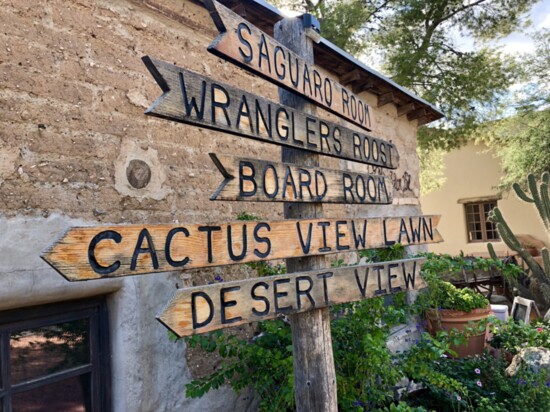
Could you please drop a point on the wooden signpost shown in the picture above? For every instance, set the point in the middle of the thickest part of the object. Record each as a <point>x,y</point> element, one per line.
<point>194,99</point>
<point>247,46</point>
<point>111,251</point>
<point>205,308</point>
<point>265,181</point>
<point>305,293</point>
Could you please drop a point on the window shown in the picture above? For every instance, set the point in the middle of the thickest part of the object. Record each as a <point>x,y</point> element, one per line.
<point>477,222</point>
<point>55,358</point>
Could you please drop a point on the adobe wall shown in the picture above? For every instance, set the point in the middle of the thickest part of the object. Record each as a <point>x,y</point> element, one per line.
<point>73,90</point>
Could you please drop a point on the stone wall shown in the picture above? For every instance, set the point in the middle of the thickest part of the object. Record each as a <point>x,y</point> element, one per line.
<point>76,149</point>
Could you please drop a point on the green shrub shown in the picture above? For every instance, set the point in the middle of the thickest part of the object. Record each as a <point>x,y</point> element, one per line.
<point>513,336</point>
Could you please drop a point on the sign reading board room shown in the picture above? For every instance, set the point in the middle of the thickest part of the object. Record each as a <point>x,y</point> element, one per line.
<point>108,251</point>
<point>265,181</point>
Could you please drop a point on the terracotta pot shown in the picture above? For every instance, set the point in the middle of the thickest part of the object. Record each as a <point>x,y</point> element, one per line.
<point>447,319</point>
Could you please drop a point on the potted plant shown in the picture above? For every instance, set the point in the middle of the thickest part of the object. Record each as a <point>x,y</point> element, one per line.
<point>448,308</point>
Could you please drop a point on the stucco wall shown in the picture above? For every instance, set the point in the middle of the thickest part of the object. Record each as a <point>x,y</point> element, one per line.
<point>474,171</point>
<point>72,95</point>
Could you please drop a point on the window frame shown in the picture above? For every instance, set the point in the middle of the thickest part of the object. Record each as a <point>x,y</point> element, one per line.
<point>45,315</point>
<point>480,203</point>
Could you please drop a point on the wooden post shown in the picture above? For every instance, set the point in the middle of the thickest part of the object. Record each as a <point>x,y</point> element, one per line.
<point>314,374</point>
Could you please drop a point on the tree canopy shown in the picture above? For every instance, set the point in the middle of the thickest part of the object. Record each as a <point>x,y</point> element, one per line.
<point>417,40</point>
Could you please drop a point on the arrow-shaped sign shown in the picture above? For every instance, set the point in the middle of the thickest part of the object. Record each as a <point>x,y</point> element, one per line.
<point>205,308</point>
<point>247,46</point>
<point>109,251</point>
<point>264,181</point>
<point>194,99</point>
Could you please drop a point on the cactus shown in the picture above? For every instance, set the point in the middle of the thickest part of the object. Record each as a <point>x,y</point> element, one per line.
<point>539,195</point>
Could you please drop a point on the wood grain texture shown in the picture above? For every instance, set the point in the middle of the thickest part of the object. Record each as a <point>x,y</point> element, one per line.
<point>227,304</point>
<point>256,180</point>
<point>245,45</point>
<point>111,251</point>
<point>191,98</point>
<point>313,358</point>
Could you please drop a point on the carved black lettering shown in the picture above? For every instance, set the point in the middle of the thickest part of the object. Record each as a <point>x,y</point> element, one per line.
<point>340,235</point>
<point>306,79</point>
<point>277,295</point>
<point>244,111</point>
<point>139,249</point>
<point>289,179</point>
<point>327,87</point>
<point>274,178</point>
<point>336,135</point>
<point>379,291</point>
<point>324,133</point>
<point>320,176</point>
<point>310,131</point>
<point>203,295</point>
<point>347,187</point>
<point>386,241</point>
<point>357,146</point>
<point>209,230</point>
<point>247,55</point>
<point>317,84</point>
<point>307,245</point>
<point>371,188</point>
<point>304,178</point>
<point>266,124</point>
<point>391,277</point>
<point>359,240</point>
<point>232,255</point>
<point>264,53</point>
<point>216,103</point>
<point>345,102</point>
<point>415,231</point>
<point>296,64</point>
<point>227,304</point>
<point>260,298</point>
<point>324,226</point>
<point>168,245</point>
<point>191,106</point>
<point>427,230</point>
<point>362,286</point>
<point>243,164</point>
<point>280,74</point>
<point>360,188</point>
<point>304,292</point>
<point>106,235</point>
<point>325,276</point>
<point>408,277</point>
<point>403,231</point>
<point>262,239</point>
<point>281,128</point>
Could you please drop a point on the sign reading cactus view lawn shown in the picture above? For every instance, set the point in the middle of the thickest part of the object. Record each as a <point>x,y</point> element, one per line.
<point>198,100</point>
<point>205,308</point>
<point>97,252</point>
<point>265,181</point>
<point>248,47</point>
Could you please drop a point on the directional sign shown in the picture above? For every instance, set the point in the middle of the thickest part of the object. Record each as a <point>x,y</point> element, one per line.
<point>109,251</point>
<point>264,181</point>
<point>250,48</point>
<point>194,99</point>
<point>205,308</point>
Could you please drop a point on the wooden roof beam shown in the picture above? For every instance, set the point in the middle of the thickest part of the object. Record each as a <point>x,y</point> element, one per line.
<point>350,77</point>
<point>405,109</point>
<point>417,113</point>
<point>384,99</point>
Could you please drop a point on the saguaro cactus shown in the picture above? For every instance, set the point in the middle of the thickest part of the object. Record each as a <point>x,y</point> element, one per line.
<point>539,195</point>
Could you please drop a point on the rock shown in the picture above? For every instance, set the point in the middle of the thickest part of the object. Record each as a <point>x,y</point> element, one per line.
<point>535,359</point>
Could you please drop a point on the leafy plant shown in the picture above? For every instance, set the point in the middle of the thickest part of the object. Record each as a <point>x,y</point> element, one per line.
<point>514,336</point>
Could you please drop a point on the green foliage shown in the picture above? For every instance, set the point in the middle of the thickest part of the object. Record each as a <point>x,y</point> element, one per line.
<point>432,175</point>
<point>482,385</point>
<point>365,370</point>
<point>514,336</point>
<point>394,252</point>
<point>442,294</point>
<point>539,195</point>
